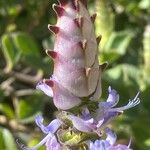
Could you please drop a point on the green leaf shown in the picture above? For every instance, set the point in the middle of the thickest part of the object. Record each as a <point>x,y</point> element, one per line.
<point>117,45</point>
<point>21,45</point>
<point>29,49</point>
<point>29,107</point>
<point>11,53</point>
<point>7,110</point>
<point>7,141</point>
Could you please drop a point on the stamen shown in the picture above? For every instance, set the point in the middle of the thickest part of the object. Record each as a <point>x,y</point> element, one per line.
<point>131,103</point>
<point>130,143</point>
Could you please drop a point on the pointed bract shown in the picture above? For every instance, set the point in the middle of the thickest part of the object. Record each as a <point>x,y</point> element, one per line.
<point>93,17</point>
<point>50,83</point>
<point>98,39</point>
<point>58,9</point>
<point>75,54</point>
<point>79,22</point>
<point>63,2</point>
<point>51,53</point>
<point>54,29</point>
<point>83,44</point>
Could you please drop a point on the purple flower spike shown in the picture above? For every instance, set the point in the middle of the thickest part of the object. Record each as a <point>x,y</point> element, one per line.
<point>109,143</point>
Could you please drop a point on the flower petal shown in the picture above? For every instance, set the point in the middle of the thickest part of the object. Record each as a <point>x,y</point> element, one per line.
<point>80,124</point>
<point>51,128</point>
<point>99,145</point>
<point>113,97</point>
<point>111,136</point>
<point>131,103</point>
<point>120,147</point>
<point>109,117</point>
<point>52,144</point>
<point>86,114</point>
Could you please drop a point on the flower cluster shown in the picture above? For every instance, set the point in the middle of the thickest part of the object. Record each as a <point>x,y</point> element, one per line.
<point>76,83</point>
<point>86,123</point>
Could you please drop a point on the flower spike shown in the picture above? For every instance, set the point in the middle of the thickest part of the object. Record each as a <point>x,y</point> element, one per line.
<point>75,85</point>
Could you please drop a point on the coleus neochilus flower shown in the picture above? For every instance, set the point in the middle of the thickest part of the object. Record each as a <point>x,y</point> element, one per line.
<point>104,114</point>
<point>77,72</point>
<point>77,75</point>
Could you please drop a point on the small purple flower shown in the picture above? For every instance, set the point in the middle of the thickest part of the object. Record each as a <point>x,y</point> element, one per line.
<point>105,113</point>
<point>106,109</point>
<point>85,123</point>
<point>50,140</point>
<point>109,143</point>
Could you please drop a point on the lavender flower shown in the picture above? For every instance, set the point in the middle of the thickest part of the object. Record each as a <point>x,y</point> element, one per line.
<point>108,143</point>
<point>106,109</point>
<point>50,140</point>
<point>105,113</point>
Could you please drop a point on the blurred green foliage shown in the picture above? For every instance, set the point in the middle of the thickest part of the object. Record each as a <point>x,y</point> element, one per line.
<point>125,30</point>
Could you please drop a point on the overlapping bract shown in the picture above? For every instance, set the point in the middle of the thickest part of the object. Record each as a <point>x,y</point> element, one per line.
<point>77,72</point>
